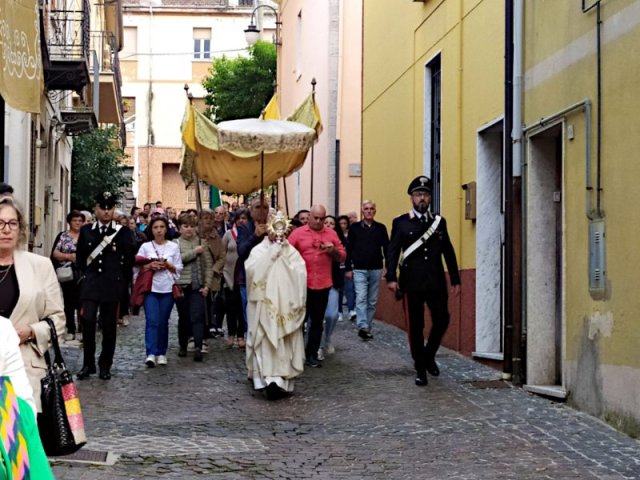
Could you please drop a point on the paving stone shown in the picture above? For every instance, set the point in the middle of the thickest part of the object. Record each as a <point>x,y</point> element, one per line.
<point>360,416</point>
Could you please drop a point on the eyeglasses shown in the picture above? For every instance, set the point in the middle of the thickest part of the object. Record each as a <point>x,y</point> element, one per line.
<point>421,194</point>
<point>13,224</point>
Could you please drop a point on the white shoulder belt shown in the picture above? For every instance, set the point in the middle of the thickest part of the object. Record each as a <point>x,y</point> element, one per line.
<point>419,242</point>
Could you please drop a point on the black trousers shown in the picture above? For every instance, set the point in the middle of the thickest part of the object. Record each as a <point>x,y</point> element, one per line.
<point>414,311</point>
<point>235,319</point>
<point>316,305</point>
<point>70,295</point>
<point>191,319</point>
<point>108,312</point>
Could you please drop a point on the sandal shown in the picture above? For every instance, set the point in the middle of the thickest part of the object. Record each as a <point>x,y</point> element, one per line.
<point>230,342</point>
<point>241,343</point>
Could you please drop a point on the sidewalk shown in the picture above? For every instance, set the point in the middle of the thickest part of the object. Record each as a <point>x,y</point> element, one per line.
<point>360,416</point>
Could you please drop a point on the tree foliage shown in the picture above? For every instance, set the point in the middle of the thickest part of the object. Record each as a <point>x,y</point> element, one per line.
<point>241,87</point>
<point>96,166</point>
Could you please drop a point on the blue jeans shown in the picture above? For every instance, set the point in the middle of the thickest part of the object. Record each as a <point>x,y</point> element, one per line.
<point>330,317</point>
<point>349,293</point>
<point>367,284</point>
<point>157,308</point>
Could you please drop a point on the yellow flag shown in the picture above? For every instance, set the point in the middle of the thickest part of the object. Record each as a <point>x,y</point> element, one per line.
<point>271,111</point>
<point>308,114</point>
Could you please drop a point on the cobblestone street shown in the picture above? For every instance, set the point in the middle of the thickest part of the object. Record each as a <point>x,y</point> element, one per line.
<point>360,416</point>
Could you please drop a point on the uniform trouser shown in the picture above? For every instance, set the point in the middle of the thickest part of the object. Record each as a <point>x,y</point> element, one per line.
<point>316,306</point>
<point>108,311</point>
<point>190,317</point>
<point>414,312</point>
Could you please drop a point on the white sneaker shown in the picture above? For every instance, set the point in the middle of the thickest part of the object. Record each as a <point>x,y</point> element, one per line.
<point>321,353</point>
<point>331,350</point>
<point>205,347</point>
<point>69,336</point>
<point>352,315</point>
<point>150,361</point>
<point>191,346</point>
<point>162,360</point>
<point>125,321</point>
<point>340,317</point>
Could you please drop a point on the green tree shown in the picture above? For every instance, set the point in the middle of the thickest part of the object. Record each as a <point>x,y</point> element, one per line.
<point>241,87</point>
<point>96,166</point>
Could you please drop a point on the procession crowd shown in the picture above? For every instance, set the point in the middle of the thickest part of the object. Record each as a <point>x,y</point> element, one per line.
<point>272,286</point>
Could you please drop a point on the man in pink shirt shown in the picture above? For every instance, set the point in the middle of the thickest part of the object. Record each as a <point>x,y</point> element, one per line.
<point>319,247</point>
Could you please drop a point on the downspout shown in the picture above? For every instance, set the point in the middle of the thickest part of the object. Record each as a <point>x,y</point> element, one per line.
<point>518,214</point>
<point>150,139</point>
<point>508,190</point>
<point>598,211</point>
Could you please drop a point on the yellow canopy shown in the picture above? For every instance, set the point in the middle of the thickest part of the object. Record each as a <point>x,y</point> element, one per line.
<point>229,155</point>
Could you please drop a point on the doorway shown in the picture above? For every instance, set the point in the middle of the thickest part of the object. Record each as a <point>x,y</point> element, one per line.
<point>490,242</point>
<point>545,258</point>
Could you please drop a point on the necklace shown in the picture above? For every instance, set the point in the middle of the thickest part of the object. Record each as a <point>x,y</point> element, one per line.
<point>6,272</point>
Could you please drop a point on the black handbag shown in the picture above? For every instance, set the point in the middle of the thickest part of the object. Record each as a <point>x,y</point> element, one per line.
<point>60,423</point>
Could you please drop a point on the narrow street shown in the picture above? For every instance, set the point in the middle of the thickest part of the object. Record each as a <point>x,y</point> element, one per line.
<point>360,416</point>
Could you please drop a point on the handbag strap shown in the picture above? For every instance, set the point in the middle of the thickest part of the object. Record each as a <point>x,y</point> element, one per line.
<point>58,362</point>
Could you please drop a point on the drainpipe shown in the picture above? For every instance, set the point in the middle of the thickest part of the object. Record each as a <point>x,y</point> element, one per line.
<point>517,305</point>
<point>508,174</point>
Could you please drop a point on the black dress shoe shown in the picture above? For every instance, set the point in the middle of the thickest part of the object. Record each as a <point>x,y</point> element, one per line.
<point>85,372</point>
<point>421,379</point>
<point>432,368</point>
<point>105,374</point>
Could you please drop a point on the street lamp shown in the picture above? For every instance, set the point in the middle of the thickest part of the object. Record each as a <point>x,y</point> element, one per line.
<point>252,34</point>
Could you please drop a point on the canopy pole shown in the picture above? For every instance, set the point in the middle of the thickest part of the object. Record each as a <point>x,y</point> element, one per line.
<point>262,178</point>
<point>313,98</point>
<point>286,198</point>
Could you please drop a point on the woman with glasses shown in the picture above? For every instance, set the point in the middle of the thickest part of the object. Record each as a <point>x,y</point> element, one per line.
<point>29,292</point>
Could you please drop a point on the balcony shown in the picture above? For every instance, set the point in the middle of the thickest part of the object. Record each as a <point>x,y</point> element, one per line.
<point>78,117</point>
<point>110,80</point>
<point>66,59</point>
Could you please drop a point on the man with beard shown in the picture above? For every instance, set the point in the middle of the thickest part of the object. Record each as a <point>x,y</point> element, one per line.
<point>419,240</point>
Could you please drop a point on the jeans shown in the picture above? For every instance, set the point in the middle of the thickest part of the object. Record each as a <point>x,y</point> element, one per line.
<point>157,308</point>
<point>367,284</point>
<point>190,317</point>
<point>330,317</point>
<point>350,294</point>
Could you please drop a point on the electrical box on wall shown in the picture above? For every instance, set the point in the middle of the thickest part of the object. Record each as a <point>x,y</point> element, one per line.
<point>469,200</point>
<point>597,258</point>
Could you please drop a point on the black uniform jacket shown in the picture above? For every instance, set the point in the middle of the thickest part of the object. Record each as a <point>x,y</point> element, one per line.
<point>105,278</point>
<point>423,269</point>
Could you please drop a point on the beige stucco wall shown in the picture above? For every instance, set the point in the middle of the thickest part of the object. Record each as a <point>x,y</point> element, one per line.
<point>323,40</point>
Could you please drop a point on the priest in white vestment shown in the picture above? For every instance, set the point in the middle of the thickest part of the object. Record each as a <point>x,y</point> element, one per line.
<point>276,297</point>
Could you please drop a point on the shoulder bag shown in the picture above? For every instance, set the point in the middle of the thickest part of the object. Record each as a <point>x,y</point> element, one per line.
<point>61,424</point>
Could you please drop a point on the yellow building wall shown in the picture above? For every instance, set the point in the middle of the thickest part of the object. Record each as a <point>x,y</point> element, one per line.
<point>469,35</point>
<point>560,69</point>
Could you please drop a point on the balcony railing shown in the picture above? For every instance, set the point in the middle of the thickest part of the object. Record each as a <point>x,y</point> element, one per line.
<point>108,63</point>
<point>67,39</point>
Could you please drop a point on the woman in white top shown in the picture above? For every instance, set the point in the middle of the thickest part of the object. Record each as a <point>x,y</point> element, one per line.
<point>163,258</point>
